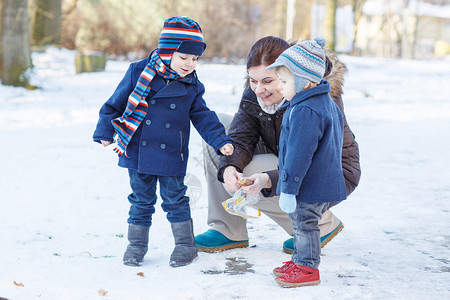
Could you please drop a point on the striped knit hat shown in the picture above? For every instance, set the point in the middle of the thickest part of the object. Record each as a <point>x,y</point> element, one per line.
<point>181,34</point>
<point>306,60</point>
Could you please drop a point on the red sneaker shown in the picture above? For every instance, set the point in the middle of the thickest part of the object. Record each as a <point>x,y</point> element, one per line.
<point>287,265</point>
<point>299,275</point>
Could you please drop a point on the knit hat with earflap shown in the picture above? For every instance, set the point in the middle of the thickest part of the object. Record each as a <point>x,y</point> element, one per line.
<point>306,60</point>
<point>181,34</point>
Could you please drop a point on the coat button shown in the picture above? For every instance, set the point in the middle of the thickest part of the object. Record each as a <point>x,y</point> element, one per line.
<point>172,106</point>
<point>296,179</point>
<point>283,175</point>
<point>269,118</point>
<point>148,122</point>
<point>144,143</point>
<point>163,146</point>
<point>167,125</point>
<point>260,114</point>
<point>153,101</point>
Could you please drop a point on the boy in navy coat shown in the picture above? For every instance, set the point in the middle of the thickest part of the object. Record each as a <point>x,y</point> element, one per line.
<point>147,120</point>
<point>309,160</point>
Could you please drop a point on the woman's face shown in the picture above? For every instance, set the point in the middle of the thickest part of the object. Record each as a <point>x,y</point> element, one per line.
<point>265,84</point>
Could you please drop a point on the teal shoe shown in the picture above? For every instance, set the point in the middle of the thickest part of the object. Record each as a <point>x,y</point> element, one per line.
<point>288,245</point>
<point>212,241</point>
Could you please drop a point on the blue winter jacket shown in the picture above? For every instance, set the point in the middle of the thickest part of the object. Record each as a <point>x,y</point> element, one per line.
<point>311,146</point>
<point>160,144</point>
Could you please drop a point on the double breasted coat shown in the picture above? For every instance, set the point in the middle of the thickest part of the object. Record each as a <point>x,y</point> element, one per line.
<point>160,144</point>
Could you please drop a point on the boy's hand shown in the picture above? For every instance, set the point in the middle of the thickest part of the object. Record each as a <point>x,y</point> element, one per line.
<point>287,202</point>
<point>227,149</point>
<point>105,143</point>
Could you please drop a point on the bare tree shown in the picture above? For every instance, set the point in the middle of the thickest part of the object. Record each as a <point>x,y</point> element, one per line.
<point>15,50</point>
<point>330,23</point>
<point>46,22</point>
<point>290,19</point>
<point>357,12</point>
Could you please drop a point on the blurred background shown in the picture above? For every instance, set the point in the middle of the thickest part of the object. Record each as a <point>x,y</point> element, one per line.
<point>125,29</point>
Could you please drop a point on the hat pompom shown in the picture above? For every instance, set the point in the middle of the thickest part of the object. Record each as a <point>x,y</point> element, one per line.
<point>321,41</point>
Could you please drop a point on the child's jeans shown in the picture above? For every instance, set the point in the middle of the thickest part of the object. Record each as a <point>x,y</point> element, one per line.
<point>143,198</point>
<point>305,221</point>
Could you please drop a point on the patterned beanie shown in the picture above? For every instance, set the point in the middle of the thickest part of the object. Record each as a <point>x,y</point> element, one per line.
<point>306,60</point>
<point>181,34</point>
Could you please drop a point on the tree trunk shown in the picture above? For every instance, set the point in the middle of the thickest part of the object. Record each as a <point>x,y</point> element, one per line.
<point>46,26</point>
<point>290,16</point>
<point>15,46</point>
<point>330,24</point>
<point>357,13</point>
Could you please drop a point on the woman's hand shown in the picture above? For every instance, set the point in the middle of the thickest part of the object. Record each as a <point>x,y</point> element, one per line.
<point>227,149</point>
<point>231,178</point>
<point>260,181</point>
<point>105,143</point>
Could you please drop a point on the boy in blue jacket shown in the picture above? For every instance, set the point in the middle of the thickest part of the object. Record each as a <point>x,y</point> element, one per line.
<point>148,119</point>
<point>309,161</point>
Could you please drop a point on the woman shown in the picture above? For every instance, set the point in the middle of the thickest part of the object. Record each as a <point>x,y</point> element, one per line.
<point>256,131</point>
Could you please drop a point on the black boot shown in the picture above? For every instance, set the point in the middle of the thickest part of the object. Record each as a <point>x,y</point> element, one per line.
<point>138,237</point>
<point>185,251</point>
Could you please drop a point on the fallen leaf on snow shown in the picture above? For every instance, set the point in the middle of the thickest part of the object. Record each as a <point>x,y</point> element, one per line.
<point>102,292</point>
<point>19,284</point>
<point>140,274</point>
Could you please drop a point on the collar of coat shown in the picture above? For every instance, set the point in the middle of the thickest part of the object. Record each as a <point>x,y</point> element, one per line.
<point>336,75</point>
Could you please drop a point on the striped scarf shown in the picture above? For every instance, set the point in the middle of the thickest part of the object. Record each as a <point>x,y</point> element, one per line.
<point>136,110</point>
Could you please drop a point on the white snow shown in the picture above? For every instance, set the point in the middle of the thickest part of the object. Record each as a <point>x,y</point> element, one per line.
<point>64,207</point>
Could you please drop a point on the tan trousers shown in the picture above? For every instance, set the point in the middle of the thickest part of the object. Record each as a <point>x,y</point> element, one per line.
<point>235,227</point>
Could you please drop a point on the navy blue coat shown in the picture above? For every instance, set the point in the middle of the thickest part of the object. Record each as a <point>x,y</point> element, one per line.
<point>160,144</point>
<point>311,147</point>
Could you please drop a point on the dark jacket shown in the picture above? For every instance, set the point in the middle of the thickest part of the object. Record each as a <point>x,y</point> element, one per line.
<point>160,144</point>
<point>251,123</point>
<point>311,148</point>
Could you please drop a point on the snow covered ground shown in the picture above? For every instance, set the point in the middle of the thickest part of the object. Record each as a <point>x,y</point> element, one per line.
<point>63,205</point>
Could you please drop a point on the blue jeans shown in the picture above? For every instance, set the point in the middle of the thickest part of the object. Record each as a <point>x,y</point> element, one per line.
<point>143,199</point>
<point>305,220</point>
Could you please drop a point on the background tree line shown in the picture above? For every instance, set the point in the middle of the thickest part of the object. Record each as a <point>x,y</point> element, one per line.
<point>124,27</point>
<point>130,28</point>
